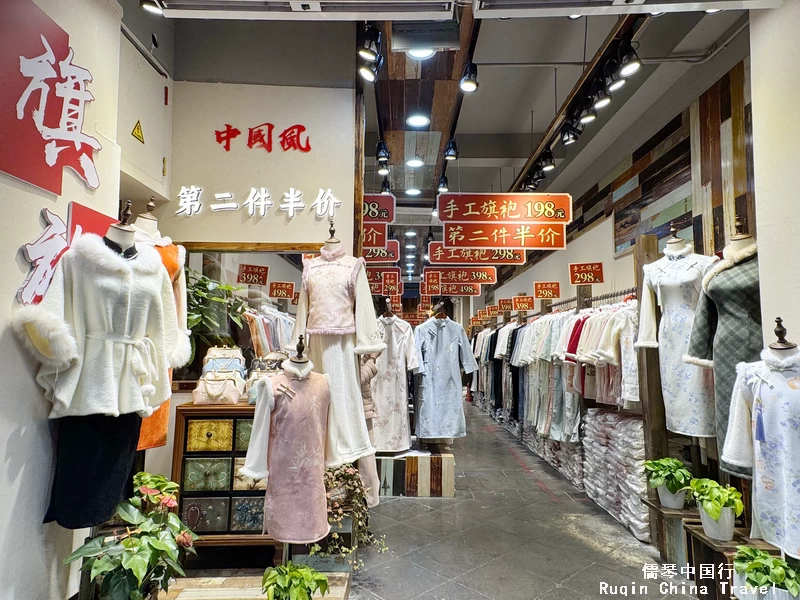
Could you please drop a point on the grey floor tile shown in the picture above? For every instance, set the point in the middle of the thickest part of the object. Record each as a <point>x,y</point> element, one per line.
<point>398,579</point>
<point>598,581</point>
<point>469,483</point>
<point>501,581</point>
<point>526,526</point>
<point>545,562</point>
<point>400,509</point>
<point>371,557</point>
<point>501,482</point>
<point>443,522</point>
<point>359,593</point>
<point>449,558</point>
<point>562,593</point>
<point>452,591</point>
<point>378,521</point>
<point>402,538</point>
<point>488,540</point>
<point>438,503</point>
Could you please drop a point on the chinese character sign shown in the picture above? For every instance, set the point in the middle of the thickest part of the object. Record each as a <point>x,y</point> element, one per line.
<point>391,283</point>
<point>281,289</point>
<point>522,302</point>
<point>460,289</point>
<point>482,314</point>
<point>505,304</point>
<point>425,301</point>
<point>584,273</point>
<point>487,275</point>
<point>259,137</point>
<point>439,255</point>
<point>375,235</point>
<point>493,310</point>
<point>432,280</point>
<point>376,288</point>
<point>389,254</point>
<point>296,299</point>
<point>505,208</point>
<point>43,101</point>
<point>396,303</point>
<point>546,290</point>
<point>375,274</point>
<point>252,274</point>
<point>523,236</point>
<point>43,254</point>
<point>379,208</point>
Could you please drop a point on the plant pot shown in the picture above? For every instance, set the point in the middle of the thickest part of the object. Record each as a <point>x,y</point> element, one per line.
<point>779,594</point>
<point>670,500</point>
<point>750,593</point>
<point>721,529</point>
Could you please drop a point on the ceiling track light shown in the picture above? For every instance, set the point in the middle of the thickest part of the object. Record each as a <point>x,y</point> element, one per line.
<point>530,184</point>
<point>451,150</point>
<point>443,186</point>
<point>568,136</point>
<point>383,169</point>
<point>413,192</point>
<point>538,173</point>
<point>385,187</point>
<point>370,46</point>
<point>629,62</point>
<point>601,96</point>
<point>588,115</point>
<point>421,53</point>
<point>469,81</point>
<point>548,161</point>
<point>151,6</point>
<point>411,233</point>
<point>657,13</point>
<point>415,163</point>
<point>613,80</point>
<point>369,70</point>
<point>382,153</point>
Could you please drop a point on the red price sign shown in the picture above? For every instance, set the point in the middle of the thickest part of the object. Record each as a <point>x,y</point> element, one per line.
<point>482,314</point>
<point>523,236</point>
<point>486,275</point>
<point>493,310</point>
<point>546,290</point>
<point>460,289</point>
<point>474,321</point>
<point>505,208</point>
<point>252,274</point>
<point>440,255</point>
<point>523,302</point>
<point>379,208</point>
<point>505,304</point>
<point>583,273</point>
<point>295,298</point>
<point>376,288</point>
<point>391,283</point>
<point>375,274</point>
<point>375,235</point>
<point>415,320</point>
<point>433,280</point>
<point>423,288</point>
<point>281,289</point>
<point>425,301</point>
<point>389,254</point>
<point>397,303</point>
<point>423,308</point>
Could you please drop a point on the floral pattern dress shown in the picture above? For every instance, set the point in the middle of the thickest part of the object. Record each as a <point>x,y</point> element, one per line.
<point>764,434</point>
<point>390,387</point>
<point>674,283</point>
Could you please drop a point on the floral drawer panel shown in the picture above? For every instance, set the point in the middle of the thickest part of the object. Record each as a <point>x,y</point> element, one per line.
<point>243,429</point>
<point>207,474</point>
<point>206,514</point>
<point>247,514</point>
<point>212,435</point>
<point>240,482</point>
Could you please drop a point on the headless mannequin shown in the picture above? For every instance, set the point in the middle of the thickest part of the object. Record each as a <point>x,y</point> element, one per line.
<point>782,349</point>
<point>332,243</point>
<point>147,222</point>
<point>741,240</point>
<point>122,234</point>
<point>675,243</point>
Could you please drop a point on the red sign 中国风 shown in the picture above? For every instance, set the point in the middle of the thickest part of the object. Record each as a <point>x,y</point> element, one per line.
<point>524,236</point>
<point>391,283</point>
<point>504,208</point>
<point>487,275</point>
<point>296,299</point>
<point>505,304</point>
<point>523,302</point>
<point>439,255</point>
<point>460,289</point>
<point>375,235</point>
<point>546,290</point>
<point>432,281</point>
<point>493,310</point>
<point>281,289</point>
<point>379,208</point>
<point>252,274</point>
<point>389,254</point>
<point>583,273</point>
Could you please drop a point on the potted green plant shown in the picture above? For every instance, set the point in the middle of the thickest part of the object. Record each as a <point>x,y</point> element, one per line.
<point>293,582</point>
<point>669,477</point>
<point>146,554</point>
<point>719,505</point>
<point>758,574</point>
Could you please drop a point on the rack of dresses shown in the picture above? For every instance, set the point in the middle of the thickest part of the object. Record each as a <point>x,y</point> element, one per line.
<point>270,329</point>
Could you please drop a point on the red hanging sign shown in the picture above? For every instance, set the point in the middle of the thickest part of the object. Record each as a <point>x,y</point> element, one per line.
<point>487,275</point>
<point>505,304</point>
<point>460,289</point>
<point>296,299</point>
<point>493,310</point>
<point>379,208</point>
<point>391,283</point>
<point>375,274</point>
<point>482,314</point>
<point>439,255</point>
<point>281,289</point>
<point>583,273</point>
<point>546,290</point>
<point>396,303</point>
<point>425,300</point>
<point>505,208</point>
<point>432,282</point>
<point>523,302</point>
<point>533,236</point>
<point>252,274</point>
<point>423,288</point>
<point>389,254</point>
<point>376,288</point>
<point>375,235</point>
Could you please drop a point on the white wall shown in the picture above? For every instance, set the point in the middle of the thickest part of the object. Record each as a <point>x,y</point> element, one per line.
<point>32,552</point>
<point>594,245</point>
<point>775,85</point>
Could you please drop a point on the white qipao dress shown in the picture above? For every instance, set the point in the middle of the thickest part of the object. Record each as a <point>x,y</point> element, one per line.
<point>335,310</point>
<point>390,386</point>
<point>674,282</point>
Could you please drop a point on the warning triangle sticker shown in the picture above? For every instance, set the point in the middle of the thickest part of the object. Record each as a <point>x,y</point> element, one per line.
<point>137,131</point>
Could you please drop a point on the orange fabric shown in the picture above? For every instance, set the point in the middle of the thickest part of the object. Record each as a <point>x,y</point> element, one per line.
<point>169,256</point>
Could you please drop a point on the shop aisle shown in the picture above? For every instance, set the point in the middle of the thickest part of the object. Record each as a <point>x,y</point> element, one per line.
<point>515,531</point>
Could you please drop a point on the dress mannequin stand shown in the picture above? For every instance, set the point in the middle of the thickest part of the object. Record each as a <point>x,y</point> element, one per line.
<point>122,234</point>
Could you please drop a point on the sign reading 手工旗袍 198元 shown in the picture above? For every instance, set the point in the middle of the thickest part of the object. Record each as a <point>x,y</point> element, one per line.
<point>44,97</point>
<point>504,208</point>
<point>260,164</point>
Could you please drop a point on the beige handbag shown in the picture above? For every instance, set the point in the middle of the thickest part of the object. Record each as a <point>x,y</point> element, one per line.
<point>219,387</point>
<point>225,353</point>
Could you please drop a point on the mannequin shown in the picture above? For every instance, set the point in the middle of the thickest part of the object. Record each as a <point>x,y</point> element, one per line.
<point>147,222</point>
<point>782,349</point>
<point>741,240</point>
<point>674,242</point>
<point>122,234</point>
<point>332,243</point>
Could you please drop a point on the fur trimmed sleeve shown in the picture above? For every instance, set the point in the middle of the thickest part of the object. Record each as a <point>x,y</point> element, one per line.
<point>704,327</point>
<point>368,338</point>
<point>647,336</point>
<point>46,329</point>
<point>256,460</point>
<point>738,449</point>
<point>177,346</point>
<point>179,289</point>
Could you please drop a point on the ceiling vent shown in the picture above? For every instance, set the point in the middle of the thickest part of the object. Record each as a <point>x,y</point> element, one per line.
<point>322,10</point>
<point>437,35</point>
<point>502,9</point>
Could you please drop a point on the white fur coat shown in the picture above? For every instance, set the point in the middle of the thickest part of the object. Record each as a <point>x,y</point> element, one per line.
<point>106,332</point>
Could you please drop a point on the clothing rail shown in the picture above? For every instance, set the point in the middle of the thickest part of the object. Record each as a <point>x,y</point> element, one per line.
<point>572,300</point>
<point>589,301</point>
<point>538,313</point>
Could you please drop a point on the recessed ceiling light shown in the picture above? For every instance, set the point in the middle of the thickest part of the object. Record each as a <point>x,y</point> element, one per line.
<point>713,11</point>
<point>421,53</point>
<point>383,169</point>
<point>413,192</point>
<point>415,162</point>
<point>574,17</point>
<point>410,246</point>
<point>418,120</point>
<point>151,7</point>
<point>411,233</point>
<point>657,13</point>
<point>427,257</point>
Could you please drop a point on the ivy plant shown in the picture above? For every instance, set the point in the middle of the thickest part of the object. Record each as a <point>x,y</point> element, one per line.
<point>143,559</point>
<point>669,472</point>
<point>293,582</point>
<point>209,303</point>
<point>713,497</point>
<point>764,570</point>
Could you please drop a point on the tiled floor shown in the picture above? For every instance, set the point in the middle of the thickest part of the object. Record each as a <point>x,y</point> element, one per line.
<point>515,531</point>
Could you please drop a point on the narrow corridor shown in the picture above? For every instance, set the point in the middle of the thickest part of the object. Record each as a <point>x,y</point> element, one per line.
<point>516,530</point>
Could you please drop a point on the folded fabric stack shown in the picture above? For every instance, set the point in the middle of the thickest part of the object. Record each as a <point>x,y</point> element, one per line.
<point>566,458</point>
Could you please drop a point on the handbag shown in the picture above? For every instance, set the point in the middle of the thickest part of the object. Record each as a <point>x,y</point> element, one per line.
<point>224,364</point>
<point>224,352</point>
<point>219,387</point>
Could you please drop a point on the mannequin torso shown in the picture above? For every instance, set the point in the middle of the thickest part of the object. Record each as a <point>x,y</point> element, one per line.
<point>122,235</point>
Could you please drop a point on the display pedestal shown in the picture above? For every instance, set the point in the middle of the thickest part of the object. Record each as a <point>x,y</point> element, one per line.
<point>673,543</point>
<point>418,475</point>
<point>228,584</point>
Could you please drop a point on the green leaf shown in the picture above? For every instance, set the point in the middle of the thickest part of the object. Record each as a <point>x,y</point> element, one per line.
<point>137,564</point>
<point>793,587</point>
<point>129,513</point>
<point>136,595</point>
<point>174,522</point>
<point>175,566</point>
<point>158,544</point>
<point>104,564</point>
<point>713,509</point>
<point>91,548</point>
<point>117,585</point>
<point>148,525</point>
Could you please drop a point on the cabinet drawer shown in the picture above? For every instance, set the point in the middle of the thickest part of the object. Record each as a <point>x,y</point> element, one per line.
<point>205,514</point>
<point>244,428</point>
<point>210,435</point>
<point>247,514</point>
<point>207,474</point>
<point>241,482</point>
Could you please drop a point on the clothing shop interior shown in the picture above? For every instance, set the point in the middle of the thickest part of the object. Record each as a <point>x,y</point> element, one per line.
<point>399,299</point>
